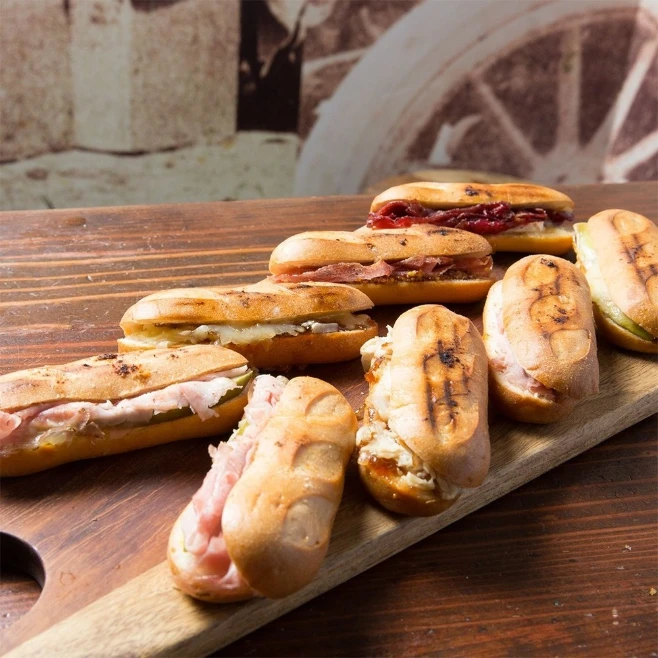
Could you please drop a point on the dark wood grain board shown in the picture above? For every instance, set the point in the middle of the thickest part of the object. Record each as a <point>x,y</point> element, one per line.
<point>65,279</point>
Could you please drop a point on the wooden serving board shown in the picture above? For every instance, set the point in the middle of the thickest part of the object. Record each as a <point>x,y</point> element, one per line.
<point>101,527</point>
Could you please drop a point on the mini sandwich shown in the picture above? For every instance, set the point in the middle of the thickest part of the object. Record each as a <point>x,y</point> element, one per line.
<point>618,252</point>
<point>273,325</point>
<point>512,217</point>
<point>425,436</point>
<point>115,403</point>
<point>539,335</point>
<point>392,266</point>
<point>260,523</point>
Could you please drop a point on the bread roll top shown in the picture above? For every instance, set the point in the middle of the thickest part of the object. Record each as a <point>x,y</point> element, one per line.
<point>259,302</point>
<point>113,376</point>
<point>438,401</point>
<point>547,314</point>
<point>626,245</point>
<point>460,195</point>
<point>318,248</point>
<point>278,535</point>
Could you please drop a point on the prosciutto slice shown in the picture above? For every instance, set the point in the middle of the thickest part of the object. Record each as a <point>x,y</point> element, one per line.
<point>202,525</point>
<point>428,266</point>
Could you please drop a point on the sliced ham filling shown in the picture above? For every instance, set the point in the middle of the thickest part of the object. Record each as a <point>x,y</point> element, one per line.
<point>202,523</point>
<point>501,355</point>
<point>483,218</point>
<point>57,422</point>
<point>417,268</point>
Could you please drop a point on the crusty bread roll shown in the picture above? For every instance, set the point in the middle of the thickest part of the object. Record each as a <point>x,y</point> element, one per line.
<point>74,388</point>
<point>395,266</point>
<point>271,530</point>
<point>425,435</point>
<point>618,253</point>
<point>461,195</point>
<point>535,237</point>
<point>539,335</point>
<point>262,321</point>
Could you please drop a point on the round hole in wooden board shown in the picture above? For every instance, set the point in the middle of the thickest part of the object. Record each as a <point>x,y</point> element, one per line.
<point>22,576</point>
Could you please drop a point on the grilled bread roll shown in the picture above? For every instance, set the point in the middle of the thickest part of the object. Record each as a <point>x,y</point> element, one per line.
<point>398,266</point>
<point>425,436</point>
<point>539,335</point>
<point>115,403</point>
<point>272,325</point>
<point>511,216</point>
<point>261,522</point>
<point>625,288</point>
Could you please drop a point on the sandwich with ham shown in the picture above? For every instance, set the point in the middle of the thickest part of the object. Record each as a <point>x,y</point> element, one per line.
<point>539,335</point>
<point>114,403</point>
<point>618,252</point>
<point>261,522</point>
<point>391,266</point>
<point>512,216</point>
<point>273,325</point>
<point>425,436</point>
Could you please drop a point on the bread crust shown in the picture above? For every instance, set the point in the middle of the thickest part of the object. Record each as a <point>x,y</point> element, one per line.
<point>460,195</point>
<point>319,248</point>
<point>113,377</point>
<point>547,314</point>
<point>278,517</point>
<point>437,407</point>
<point>25,462</point>
<point>512,401</point>
<point>551,241</point>
<point>627,243</point>
<point>264,301</point>
<point>284,351</point>
<point>447,291</point>
<point>621,337</point>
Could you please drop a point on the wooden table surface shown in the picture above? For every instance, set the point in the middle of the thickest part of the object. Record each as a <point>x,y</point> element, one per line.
<point>566,565</point>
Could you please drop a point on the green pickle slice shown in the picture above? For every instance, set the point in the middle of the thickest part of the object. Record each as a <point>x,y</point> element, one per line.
<point>600,294</point>
<point>175,414</point>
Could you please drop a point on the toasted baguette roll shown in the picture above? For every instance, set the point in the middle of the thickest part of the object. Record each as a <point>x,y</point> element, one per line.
<point>273,325</point>
<point>539,335</point>
<point>261,522</point>
<point>398,266</point>
<point>542,231</point>
<point>425,435</point>
<point>110,404</point>
<point>625,288</point>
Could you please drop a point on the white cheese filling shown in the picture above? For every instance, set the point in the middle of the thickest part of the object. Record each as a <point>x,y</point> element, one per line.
<point>224,334</point>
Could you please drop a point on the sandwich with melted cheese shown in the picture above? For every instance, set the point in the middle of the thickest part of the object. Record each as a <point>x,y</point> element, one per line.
<point>512,216</point>
<point>539,334</point>
<point>112,403</point>
<point>411,265</point>
<point>425,436</point>
<point>273,325</point>
<point>618,252</point>
<point>261,522</point>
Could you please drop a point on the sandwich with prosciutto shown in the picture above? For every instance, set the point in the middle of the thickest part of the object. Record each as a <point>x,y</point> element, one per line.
<point>425,436</point>
<point>539,334</point>
<point>260,523</point>
<point>618,252</point>
<point>391,266</point>
<point>511,216</point>
<point>113,403</point>
<point>273,325</point>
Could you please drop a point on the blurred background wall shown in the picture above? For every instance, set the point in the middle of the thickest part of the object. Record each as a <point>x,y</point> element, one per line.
<point>109,102</point>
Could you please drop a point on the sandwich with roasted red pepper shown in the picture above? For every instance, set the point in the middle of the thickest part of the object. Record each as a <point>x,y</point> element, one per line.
<point>512,217</point>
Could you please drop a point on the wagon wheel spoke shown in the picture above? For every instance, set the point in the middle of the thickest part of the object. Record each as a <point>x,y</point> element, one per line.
<point>619,167</point>
<point>568,87</point>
